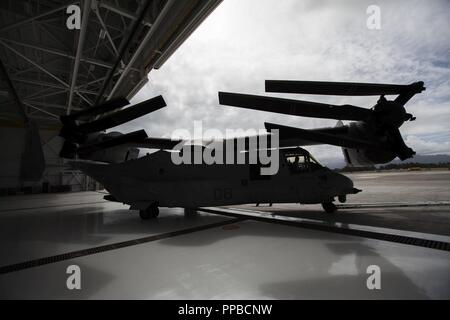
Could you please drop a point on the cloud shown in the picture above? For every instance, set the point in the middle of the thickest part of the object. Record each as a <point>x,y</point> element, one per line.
<point>245,42</point>
<point>427,146</point>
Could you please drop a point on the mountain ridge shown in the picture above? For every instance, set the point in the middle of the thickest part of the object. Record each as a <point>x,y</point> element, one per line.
<point>419,158</point>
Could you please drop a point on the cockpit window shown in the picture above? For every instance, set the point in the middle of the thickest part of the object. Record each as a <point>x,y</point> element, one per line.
<point>299,160</point>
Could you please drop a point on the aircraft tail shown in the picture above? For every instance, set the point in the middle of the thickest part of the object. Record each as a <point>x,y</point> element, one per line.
<point>96,170</point>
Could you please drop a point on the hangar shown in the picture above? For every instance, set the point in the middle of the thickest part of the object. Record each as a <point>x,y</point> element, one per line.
<point>240,252</point>
<point>55,71</point>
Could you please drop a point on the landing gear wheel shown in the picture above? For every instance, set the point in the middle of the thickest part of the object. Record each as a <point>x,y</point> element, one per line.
<point>190,212</point>
<point>149,213</point>
<point>329,207</point>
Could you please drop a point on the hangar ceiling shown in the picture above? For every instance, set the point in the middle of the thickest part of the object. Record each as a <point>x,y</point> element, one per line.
<point>55,70</point>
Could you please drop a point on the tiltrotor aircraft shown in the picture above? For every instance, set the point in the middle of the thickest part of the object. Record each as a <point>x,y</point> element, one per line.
<point>154,180</point>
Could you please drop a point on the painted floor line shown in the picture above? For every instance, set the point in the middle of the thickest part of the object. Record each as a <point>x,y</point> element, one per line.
<point>53,206</point>
<point>337,223</point>
<point>392,235</point>
<point>394,205</point>
<point>109,247</point>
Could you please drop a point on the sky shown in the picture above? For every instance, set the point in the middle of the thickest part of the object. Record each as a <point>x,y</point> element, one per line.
<point>244,42</point>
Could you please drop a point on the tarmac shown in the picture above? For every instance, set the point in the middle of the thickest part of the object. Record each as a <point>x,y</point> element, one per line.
<point>400,223</point>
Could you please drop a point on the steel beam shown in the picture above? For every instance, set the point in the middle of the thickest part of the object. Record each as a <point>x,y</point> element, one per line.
<point>34,63</point>
<point>84,24</point>
<point>58,53</point>
<point>142,45</point>
<point>124,46</point>
<point>108,35</point>
<point>52,60</point>
<point>44,70</point>
<point>50,85</point>
<point>32,116</point>
<point>27,20</point>
<point>95,81</point>
<point>44,104</point>
<point>40,93</point>
<point>41,110</point>
<point>48,105</point>
<point>122,12</point>
<point>208,6</point>
<point>43,93</point>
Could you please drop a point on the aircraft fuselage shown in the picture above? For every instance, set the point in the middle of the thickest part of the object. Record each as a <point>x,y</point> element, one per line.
<point>154,179</point>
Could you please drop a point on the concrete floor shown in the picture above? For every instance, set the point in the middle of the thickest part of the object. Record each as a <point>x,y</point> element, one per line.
<point>218,257</point>
<point>414,201</point>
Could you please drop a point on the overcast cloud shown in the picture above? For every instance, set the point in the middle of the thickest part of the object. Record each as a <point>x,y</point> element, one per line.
<point>244,42</point>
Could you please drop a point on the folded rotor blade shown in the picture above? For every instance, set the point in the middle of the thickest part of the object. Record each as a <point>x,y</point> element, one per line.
<point>157,143</point>
<point>288,134</point>
<point>415,88</point>
<point>291,133</point>
<point>122,116</point>
<point>294,107</point>
<point>68,150</point>
<point>108,106</point>
<point>337,88</point>
<point>132,137</point>
<point>398,145</point>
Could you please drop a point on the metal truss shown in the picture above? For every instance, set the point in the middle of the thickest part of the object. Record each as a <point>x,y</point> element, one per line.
<point>56,70</point>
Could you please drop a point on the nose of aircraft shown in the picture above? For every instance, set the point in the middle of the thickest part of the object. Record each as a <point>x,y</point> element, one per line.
<point>342,184</point>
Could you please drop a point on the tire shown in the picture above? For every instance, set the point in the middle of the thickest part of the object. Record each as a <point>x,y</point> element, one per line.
<point>154,212</point>
<point>190,212</point>
<point>144,214</point>
<point>329,207</point>
<point>150,213</point>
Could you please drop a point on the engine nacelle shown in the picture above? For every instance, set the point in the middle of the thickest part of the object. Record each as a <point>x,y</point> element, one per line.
<point>365,157</point>
<point>115,154</point>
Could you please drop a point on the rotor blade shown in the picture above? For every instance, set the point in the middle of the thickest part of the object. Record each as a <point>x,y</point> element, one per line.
<point>68,150</point>
<point>398,145</point>
<point>157,143</point>
<point>287,137</point>
<point>122,116</point>
<point>297,135</point>
<point>336,88</point>
<point>415,88</point>
<point>134,136</point>
<point>108,106</point>
<point>294,107</point>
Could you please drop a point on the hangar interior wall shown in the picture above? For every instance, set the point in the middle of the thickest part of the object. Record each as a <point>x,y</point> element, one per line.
<point>58,177</point>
